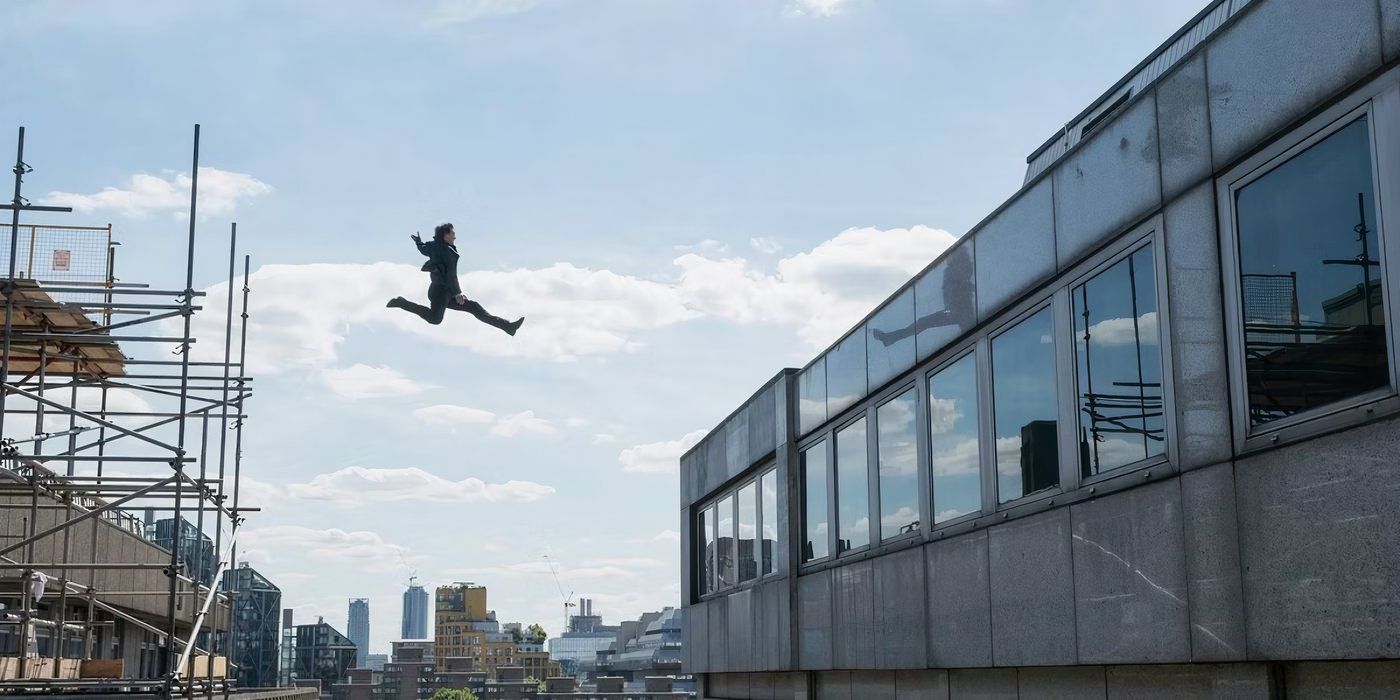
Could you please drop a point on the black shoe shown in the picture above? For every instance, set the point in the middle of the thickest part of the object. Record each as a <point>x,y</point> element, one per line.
<point>513,327</point>
<point>396,303</point>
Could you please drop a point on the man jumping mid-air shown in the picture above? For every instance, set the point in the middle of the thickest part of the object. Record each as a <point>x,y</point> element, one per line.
<point>444,292</point>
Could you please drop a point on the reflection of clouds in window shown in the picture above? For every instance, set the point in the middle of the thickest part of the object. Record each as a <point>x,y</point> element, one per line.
<point>900,518</point>
<point>949,514</point>
<point>1119,331</point>
<point>1009,455</point>
<point>958,459</point>
<point>943,415</point>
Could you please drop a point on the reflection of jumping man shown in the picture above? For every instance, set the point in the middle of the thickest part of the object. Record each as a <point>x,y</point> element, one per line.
<point>444,291</point>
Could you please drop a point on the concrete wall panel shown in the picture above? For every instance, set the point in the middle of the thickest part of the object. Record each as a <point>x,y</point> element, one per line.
<point>814,621</point>
<point>1032,591</point>
<point>1356,680</point>
<point>1108,183</point>
<point>1130,577</point>
<point>1318,545</point>
<point>959,619</point>
<point>773,631</point>
<point>736,444</point>
<point>1390,29</point>
<point>921,685</point>
<point>1279,61</point>
<point>855,633</point>
<point>1201,388</point>
<point>1213,564</point>
<point>982,684</point>
<point>1062,683</point>
<point>740,628</point>
<point>763,425</point>
<point>696,652</point>
<point>834,685</point>
<point>1183,127</point>
<point>717,634</point>
<point>872,685</point>
<point>900,595</point>
<point>1016,249</point>
<point>1190,682</point>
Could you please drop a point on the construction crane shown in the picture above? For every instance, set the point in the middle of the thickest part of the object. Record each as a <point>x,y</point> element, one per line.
<point>568,599</point>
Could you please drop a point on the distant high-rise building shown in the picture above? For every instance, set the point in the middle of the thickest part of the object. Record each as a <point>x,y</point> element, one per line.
<point>415,612</point>
<point>289,650</point>
<point>255,647</point>
<point>357,626</point>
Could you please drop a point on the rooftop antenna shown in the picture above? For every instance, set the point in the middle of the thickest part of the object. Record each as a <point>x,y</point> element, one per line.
<point>568,599</point>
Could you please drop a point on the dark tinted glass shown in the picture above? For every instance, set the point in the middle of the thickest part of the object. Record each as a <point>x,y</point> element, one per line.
<point>768,494</point>
<point>726,540</point>
<point>954,453</point>
<point>896,421</point>
<point>815,532</point>
<point>708,566</point>
<point>811,396</point>
<point>852,488</point>
<point>1310,279</point>
<point>1119,365</point>
<point>748,532</point>
<point>1023,386</point>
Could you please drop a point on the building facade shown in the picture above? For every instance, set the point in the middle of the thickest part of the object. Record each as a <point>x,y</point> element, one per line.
<point>256,648</point>
<point>357,627</point>
<point>465,629</point>
<point>196,553</point>
<point>323,654</point>
<point>1134,435</point>
<point>410,675</point>
<point>415,613</point>
<point>646,648</point>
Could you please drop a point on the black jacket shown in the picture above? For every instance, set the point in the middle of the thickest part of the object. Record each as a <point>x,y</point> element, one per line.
<point>442,265</point>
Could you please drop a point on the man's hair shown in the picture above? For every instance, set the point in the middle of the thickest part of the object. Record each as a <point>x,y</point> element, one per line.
<point>441,231</point>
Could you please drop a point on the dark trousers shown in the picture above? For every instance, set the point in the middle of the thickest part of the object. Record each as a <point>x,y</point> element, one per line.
<point>441,299</point>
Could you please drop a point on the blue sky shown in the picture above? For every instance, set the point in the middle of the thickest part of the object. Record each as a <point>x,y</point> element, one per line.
<point>681,196</point>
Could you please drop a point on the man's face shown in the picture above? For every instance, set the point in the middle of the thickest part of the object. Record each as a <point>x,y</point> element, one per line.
<point>450,236</point>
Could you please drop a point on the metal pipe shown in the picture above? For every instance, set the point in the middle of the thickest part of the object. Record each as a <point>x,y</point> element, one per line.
<point>223,431</point>
<point>17,202</point>
<point>71,521</point>
<point>89,417</point>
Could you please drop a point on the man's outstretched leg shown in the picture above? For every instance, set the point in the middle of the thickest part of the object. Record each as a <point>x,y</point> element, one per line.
<point>475,309</point>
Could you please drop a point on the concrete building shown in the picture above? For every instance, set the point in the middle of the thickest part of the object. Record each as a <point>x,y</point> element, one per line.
<point>464,628</point>
<point>644,649</point>
<point>375,662</point>
<point>255,651</point>
<point>196,549</point>
<point>576,650</point>
<point>410,675</point>
<point>415,612</point>
<point>1134,435</point>
<point>323,654</point>
<point>357,628</point>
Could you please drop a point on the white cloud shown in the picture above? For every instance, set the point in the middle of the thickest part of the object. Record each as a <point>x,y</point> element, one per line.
<point>447,13</point>
<point>512,425</point>
<point>1122,331</point>
<point>354,486</point>
<point>765,245</point>
<point>708,246</point>
<point>667,536</point>
<point>588,570</point>
<point>220,192</point>
<point>575,422</point>
<point>658,457</point>
<point>523,423</point>
<point>364,382</point>
<point>816,8</point>
<point>294,543</point>
<point>604,439</point>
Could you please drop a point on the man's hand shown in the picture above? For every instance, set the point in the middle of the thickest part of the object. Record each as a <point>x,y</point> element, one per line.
<point>461,298</point>
<point>416,238</point>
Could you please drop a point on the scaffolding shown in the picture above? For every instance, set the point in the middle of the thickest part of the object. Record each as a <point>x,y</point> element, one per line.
<point>97,424</point>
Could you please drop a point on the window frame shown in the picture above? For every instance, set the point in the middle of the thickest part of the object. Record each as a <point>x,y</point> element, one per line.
<point>976,349</point>
<point>763,471</point>
<point>1056,302</point>
<point>872,459</point>
<point>1379,102</point>
<point>827,440</point>
<point>1148,234</point>
<point>861,412</point>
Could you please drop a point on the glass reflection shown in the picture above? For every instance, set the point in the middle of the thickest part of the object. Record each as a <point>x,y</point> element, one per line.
<point>945,300</point>
<point>811,396</point>
<point>852,488</point>
<point>845,373</point>
<point>1023,401</point>
<point>898,462</point>
<point>1119,365</point>
<point>815,534</point>
<point>748,532</point>
<point>890,349</point>
<point>1310,279</point>
<point>955,454</point>
<point>707,530</point>
<point>768,516</point>
<point>725,540</point>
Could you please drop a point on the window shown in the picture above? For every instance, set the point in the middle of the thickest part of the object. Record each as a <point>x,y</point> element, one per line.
<point>897,457</point>
<point>815,533</point>
<point>707,550</point>
<point>1118,364</point>
<point>955,455</point>
<point>852,488</point>
<point>768,516</point>
<point>1310,290</point>
<point>1025,414</point>
<point>725,539</point>
<point>748,532</point>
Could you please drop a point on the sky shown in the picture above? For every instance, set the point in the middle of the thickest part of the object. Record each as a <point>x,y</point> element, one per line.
<point>682,197</point>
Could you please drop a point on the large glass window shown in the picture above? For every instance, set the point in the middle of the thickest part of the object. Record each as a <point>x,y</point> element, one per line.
<point>954,452</point>
<point>768,494</point>
<point>852,488</point>
<point>748,532</point>
<point>815,531</point>
<point>1310,279</point>
<point>1023,401</point>
<point>1118,366</point>
<point>725,540</point>
<point>708,537</point>
<point>845,373</point>
<point>896,424</point>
